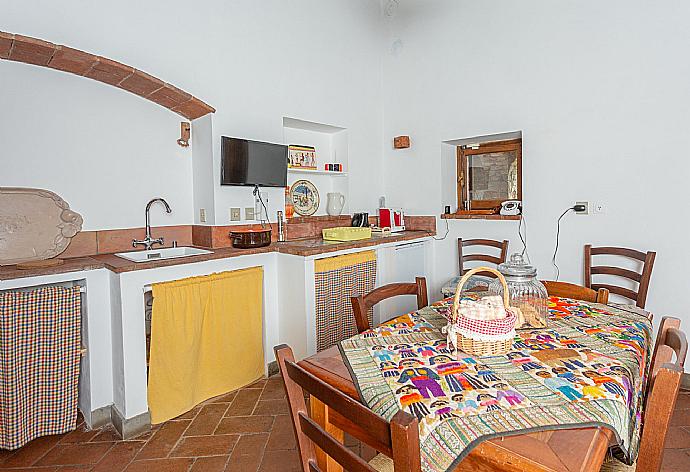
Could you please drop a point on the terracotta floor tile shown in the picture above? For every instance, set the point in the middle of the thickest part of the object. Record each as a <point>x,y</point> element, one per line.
<point>273,390</point>
<point>258,384</point>
<point>675,460</point>
<point>34,469</point>
<point>119,456</point>
<point>31,452</point>
<point>160,465</point>
<point>248,453</point>
<point>677,438</point>
<point>227,398</point>
<point>245,424</point>
<point>207,419</point>
<point>198,446</point>
<point>190,415</point>
<point>681,418</point>
<point>280,461</point>
<point>683,402</point>
<point>107,434</point>
<point>79,435</point>
<point>163,441</point>
<point>244,402</point>
<point>75,454</point>
<point>210,464</point>
<point>271,407</point>
<point>282,435</point>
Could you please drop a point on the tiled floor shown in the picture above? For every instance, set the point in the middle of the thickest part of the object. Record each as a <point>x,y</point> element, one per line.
<point>248,431</point>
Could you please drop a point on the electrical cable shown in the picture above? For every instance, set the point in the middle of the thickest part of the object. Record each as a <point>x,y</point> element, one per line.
<point>522,223</point>
<point>257,194</point>
<point>558,233</point>
<point>444,236</point>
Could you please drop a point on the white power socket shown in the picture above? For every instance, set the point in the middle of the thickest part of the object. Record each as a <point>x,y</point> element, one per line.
<point>235,214</point>
<point>586,210</point>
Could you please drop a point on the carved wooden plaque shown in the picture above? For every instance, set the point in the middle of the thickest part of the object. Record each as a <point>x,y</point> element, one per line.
<point>35,225</point>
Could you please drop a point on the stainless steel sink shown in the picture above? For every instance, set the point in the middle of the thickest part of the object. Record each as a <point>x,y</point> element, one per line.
<point>159,254</point>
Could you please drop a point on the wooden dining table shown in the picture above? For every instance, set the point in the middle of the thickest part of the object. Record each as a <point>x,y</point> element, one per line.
<point>577,449</point>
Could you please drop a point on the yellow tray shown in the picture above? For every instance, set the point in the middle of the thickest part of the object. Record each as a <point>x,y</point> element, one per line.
<point>346,233</point>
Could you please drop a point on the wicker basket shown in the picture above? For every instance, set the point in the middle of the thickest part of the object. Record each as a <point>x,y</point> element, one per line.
<point>499,343</point>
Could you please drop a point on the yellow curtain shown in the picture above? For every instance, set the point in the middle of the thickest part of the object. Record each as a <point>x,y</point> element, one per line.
<point>338,262</point>
<point>206,339</point>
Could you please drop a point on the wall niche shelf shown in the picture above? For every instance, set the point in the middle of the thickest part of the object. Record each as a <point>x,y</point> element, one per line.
<point>331,144</point>
<point>457,216</point>
<point>297,170</point>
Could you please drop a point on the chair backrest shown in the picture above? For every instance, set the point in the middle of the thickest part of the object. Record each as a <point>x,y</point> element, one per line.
<point>362,304</point>
<point>664,383</point>
<point>578,292</point>
<point>398,439</point>
<point>642,279</point>
<point>463,257</point>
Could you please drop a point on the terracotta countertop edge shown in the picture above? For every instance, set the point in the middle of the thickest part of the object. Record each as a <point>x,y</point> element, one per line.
<point>300,247</point>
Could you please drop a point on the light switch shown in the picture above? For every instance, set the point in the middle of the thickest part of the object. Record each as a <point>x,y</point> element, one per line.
<point>249,213</point>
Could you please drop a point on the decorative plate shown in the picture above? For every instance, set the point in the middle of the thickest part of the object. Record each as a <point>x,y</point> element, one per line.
<point>35,225</point>
<point>304,197</point>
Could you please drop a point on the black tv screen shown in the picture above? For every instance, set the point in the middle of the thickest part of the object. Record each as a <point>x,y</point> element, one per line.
<point>245,162</point>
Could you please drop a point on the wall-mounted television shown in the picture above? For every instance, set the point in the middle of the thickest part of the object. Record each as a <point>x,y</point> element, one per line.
<point>245,162</point>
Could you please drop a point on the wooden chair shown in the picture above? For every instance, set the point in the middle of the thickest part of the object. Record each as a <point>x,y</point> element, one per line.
<point>398,439</point>
<point>664,383</point>
<point>462,257</point>
<point>642,279</point>
<point>362,304</point>
<point>578,292</point>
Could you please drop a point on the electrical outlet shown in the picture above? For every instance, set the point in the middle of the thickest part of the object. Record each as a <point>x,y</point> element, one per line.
<point>202,215</point>
<point>598,207</point>
<point>235,214</point>
<point>585,211</point>
<point>249,213</point>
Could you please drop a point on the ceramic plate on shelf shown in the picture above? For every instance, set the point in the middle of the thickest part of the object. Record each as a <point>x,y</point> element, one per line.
<point>305,197</point>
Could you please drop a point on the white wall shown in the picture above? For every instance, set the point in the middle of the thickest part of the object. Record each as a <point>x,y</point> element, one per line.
<point>255,62</point>
<point>600,93</point>
<point>105,151</point>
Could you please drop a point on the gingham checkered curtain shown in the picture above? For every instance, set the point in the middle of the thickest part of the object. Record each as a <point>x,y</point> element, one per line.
<point>336,280</point>
<point>39,363</point>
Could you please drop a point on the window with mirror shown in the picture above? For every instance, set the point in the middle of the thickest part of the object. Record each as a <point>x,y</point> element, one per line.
<point>488,175</point>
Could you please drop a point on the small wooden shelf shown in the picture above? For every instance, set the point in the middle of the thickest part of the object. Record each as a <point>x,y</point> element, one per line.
<point>464,216</point>
<point>315,171</point>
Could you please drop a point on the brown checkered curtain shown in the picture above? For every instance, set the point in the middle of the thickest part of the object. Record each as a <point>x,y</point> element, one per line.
<point>39,363</point>
<point>336,280</point>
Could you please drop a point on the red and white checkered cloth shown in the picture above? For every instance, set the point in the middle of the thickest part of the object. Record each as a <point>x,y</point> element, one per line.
<point>39,363</point>
<point>491,329</point>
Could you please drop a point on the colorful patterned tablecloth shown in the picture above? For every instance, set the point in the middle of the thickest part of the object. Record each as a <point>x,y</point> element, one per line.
<point>586,368</point>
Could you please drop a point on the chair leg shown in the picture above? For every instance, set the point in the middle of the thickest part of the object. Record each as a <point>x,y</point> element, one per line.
<point>319,413</point>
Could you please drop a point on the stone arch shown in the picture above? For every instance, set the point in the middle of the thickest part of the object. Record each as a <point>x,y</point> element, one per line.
<point>36,51</point>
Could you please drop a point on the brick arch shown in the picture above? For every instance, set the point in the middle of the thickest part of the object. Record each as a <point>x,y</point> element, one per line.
<point>35,51</point>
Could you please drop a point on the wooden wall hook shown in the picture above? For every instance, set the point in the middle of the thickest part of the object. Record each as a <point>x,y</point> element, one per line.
<point>185,133</point>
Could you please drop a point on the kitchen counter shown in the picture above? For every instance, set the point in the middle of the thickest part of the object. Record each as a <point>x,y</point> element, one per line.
<point>299,247</point>
<point>315,246</point>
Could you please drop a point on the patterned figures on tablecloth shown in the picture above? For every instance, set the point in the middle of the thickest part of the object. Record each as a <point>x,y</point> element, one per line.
<point>592,358</point>
<point>438,387</point>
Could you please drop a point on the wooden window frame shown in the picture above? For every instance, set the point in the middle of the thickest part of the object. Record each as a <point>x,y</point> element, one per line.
<point>463,152</point>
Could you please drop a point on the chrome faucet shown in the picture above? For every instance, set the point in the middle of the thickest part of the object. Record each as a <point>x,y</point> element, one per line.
<point>148,241</point>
